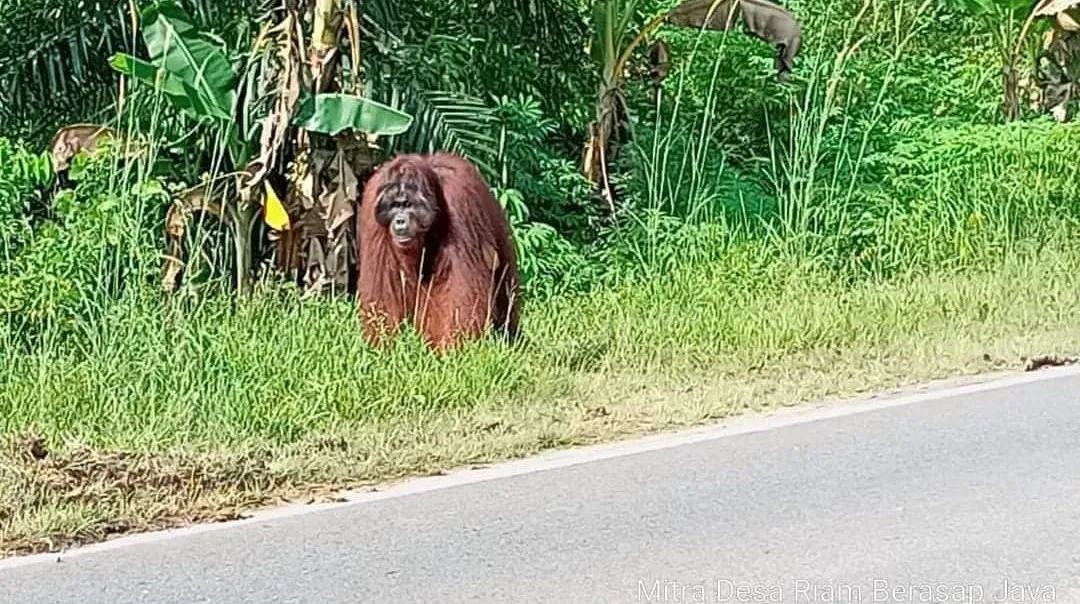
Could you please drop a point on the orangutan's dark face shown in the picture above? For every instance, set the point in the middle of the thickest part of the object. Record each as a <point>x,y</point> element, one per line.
<point>407,208</point>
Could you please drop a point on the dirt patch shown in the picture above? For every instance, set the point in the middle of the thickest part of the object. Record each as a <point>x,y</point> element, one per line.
<point>82,495</point>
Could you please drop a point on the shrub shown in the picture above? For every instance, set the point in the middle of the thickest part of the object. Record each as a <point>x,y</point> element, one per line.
<point>99,242</point>
<point>25,178</point>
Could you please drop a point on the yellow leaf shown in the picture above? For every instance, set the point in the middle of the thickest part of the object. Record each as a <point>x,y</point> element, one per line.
<point>273,211</point>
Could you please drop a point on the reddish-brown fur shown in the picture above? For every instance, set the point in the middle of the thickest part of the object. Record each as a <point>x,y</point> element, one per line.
<point>470,277</point>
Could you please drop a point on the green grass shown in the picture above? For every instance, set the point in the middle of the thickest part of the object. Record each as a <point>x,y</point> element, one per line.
<point>168,419</point>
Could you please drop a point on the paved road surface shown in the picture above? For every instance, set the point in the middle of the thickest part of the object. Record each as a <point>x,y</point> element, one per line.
<point>963,495</point>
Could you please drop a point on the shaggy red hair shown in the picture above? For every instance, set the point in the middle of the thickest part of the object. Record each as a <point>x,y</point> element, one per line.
<point>463,277</point>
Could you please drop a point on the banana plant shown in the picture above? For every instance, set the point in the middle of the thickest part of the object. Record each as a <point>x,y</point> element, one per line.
<point>1060,49</point>
<point>325,130</point>
<point>193,70</point>
<point>1008,21</point>
<point>611,48</point>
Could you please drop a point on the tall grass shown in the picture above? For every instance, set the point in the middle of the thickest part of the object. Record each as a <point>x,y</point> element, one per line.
<point>815,190</point>
<point>852,186</point>
<point>278,369</point>
<point>815,164</point>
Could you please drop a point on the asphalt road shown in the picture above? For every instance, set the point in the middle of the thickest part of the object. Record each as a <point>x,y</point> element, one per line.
<point>965,497</point>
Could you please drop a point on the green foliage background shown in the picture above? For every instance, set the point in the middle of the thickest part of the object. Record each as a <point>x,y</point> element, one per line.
<point>881,157</point>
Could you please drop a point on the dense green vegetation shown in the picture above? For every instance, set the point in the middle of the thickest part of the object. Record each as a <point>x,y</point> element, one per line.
<point>873,221</point>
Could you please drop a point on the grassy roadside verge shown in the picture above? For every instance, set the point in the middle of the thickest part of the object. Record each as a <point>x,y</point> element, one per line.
<point>221,409</point>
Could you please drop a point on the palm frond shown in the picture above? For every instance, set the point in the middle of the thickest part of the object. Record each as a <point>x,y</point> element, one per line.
<point>447,121</point>
<point>546,18</point>
<point>58,50</point>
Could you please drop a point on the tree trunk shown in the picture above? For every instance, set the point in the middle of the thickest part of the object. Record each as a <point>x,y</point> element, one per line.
<point>325,234</point>
<point>1010,104</point>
